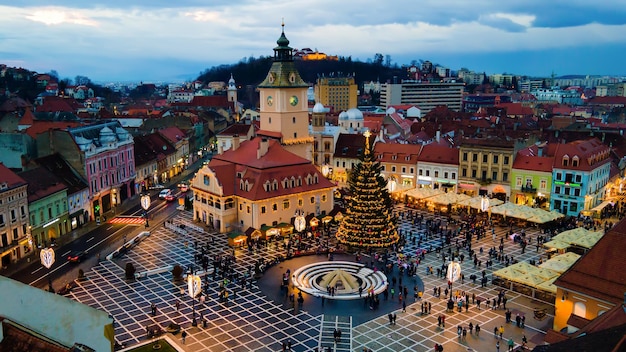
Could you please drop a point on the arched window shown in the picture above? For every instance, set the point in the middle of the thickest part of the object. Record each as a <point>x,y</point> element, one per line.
<point>580,309</point>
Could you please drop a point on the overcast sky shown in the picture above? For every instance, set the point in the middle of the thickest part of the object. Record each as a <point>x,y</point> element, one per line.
<point>156,40</point>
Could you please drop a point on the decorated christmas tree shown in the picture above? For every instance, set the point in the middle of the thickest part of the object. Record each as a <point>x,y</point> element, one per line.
<point>368,221</point>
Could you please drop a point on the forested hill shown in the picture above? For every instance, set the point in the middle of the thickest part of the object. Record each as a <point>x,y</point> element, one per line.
<point>252,71</point>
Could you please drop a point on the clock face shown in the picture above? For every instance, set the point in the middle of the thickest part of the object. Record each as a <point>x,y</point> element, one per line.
<point>293,100</point>
<point>270,100</point>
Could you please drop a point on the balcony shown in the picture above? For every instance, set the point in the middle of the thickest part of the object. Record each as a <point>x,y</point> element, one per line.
<point>528,189</point>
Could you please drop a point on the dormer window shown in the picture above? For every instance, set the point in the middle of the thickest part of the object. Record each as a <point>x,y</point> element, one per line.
<point>293,182</point>
<point>394,157</point>
<point>407,158</point>
<point>565,160</point>
<point>315,179</point>
<point>380,156</point>
<point>575,161</point>
<point>275,185</point>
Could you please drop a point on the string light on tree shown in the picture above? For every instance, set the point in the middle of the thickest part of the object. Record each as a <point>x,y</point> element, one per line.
<point>369,220</point>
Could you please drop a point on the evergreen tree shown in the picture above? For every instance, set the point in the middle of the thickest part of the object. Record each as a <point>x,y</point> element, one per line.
<point>369,221</point>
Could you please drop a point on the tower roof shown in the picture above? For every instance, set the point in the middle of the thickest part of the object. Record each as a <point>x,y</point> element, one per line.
<point>283,73</point>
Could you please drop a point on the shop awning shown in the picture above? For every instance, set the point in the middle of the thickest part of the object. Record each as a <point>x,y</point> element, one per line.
<point>467,186</point>
<point>598,208</point>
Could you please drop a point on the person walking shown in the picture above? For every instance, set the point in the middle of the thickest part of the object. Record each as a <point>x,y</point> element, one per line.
<point>183,336</point>
<point>477,329</point>
<point>403,306</point>
<point>511,344</point>
<point>497,346</point>
<point>501,331</point>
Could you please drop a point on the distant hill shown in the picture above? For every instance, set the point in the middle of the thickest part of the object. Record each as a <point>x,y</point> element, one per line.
<point>252,71</point>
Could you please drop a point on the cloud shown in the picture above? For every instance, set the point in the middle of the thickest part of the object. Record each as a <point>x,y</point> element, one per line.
<point>154,37</point>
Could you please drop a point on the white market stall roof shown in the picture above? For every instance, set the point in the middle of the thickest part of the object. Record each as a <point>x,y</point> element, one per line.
<point>421,193</point>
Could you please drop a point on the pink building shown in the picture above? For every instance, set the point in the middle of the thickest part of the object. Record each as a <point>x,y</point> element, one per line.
<point>103,154</point>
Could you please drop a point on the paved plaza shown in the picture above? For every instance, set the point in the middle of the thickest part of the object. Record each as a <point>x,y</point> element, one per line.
<point>260,317</point>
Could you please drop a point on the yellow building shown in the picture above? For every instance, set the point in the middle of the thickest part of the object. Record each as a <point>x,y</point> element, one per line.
<point>338,92</point>
<point>485,166</point>
<point>594,284</point>
<point>256,184</point>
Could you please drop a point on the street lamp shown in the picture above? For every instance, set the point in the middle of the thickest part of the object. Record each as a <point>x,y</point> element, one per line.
<point>454,271</point>
<point>299,223</point>
<point>194,287</point>
<point>145,204</point>
<point>47,259</point>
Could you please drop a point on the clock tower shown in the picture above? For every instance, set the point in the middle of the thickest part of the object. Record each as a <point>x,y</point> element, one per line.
<point>284,110</point>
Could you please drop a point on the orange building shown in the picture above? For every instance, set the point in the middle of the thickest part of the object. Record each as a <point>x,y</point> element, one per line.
<point>593,285</point>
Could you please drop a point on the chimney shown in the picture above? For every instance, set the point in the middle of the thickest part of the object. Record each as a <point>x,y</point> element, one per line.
<point>438,136</point>
<point>235,142</point>
<point>263,145</point>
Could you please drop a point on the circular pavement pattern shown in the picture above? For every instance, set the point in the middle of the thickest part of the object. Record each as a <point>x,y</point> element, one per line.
<point>309,278</point>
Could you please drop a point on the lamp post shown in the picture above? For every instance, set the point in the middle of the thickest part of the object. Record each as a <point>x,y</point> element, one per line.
<point>194,287</point>
<point>47,259</point>
<point>145,204</point>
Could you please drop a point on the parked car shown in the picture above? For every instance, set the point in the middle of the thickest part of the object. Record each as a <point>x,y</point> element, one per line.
<point>76,256</point>
<point>164,193</point>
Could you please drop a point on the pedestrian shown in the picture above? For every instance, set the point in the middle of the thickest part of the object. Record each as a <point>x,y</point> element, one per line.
<point>497,346</point>
<point>477,329</point>
<point>403,306</point>
<point>182,291</point>
<point>501,331</point>
<point>429,307</point>
<point>390,318</point>
<point>177,305</point>
<point>394,318</point>
<point>495,331</point>
<point>511,344</point>
<point>523,320</point>
<point>184,336</point>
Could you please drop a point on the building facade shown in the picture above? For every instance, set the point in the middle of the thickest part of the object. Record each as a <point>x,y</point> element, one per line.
<point>258,184</point>
<point>399,163</point>
<point>580,174</point>
<point>15,241</point>
<point>438,167</point>
<point>485,166</point>
<point>47,202</point>
<point>339,92</point>
<point>103,155</point>
<point>426,95</point>
<point>531,177</point>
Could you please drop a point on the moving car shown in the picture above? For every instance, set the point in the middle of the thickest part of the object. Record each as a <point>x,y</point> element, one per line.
<point>76,256</point>
<point>183,187</point>
<point>170,198</point>
<point>164,193</point>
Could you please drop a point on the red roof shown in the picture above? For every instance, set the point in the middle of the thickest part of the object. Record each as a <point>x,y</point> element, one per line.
<point>591,154</point>
<point>41,183</point>
<point>598,273</point>
<point>11,178</point>
<point>44,126</point>
<point>271,134</point>
<point>529,159</point>
<point>242,164</point>
<point>27,119</point>
<point>516,109</point>
<point>172,134</point>
<point>240,129</point>
<point>58,104</point>
<point>607,101</point>
<point>385,152</point>
<point>436,153</point>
